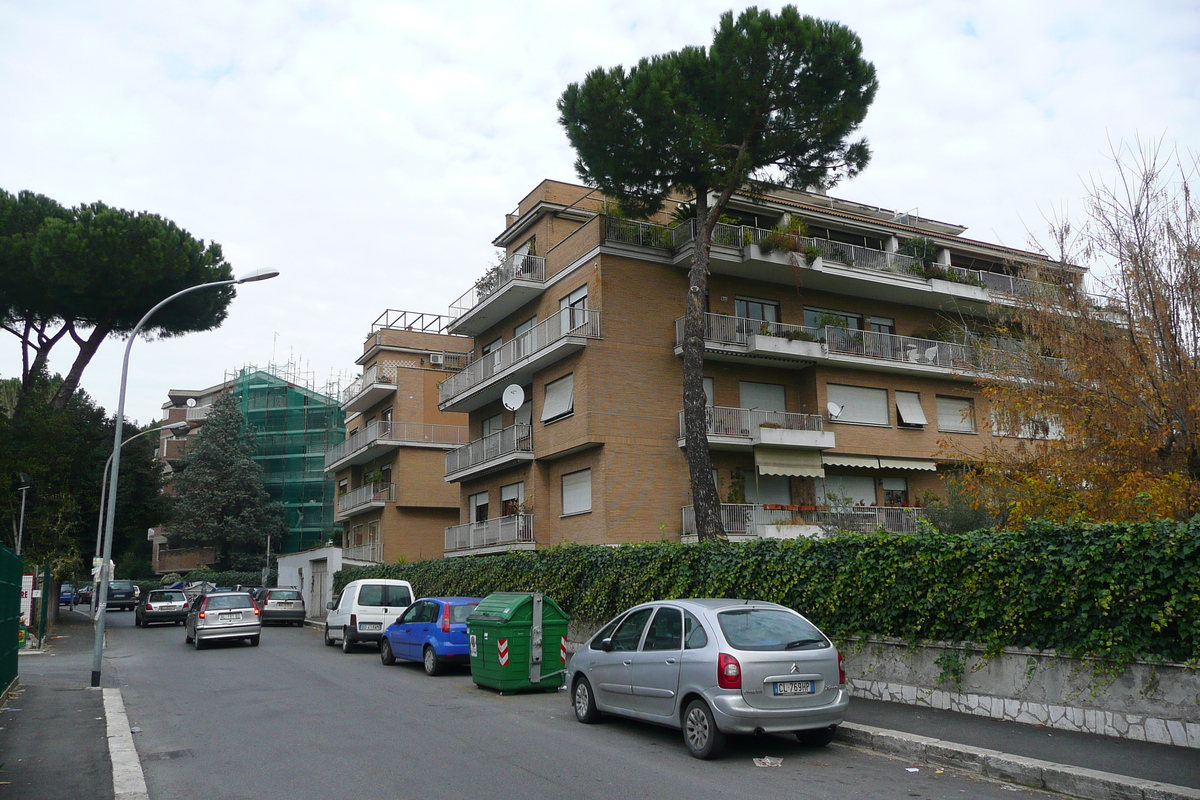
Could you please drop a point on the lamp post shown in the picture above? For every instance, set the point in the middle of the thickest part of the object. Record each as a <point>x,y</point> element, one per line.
<point>110,512</point>
<point>174,426</point>
<point>24,485</point>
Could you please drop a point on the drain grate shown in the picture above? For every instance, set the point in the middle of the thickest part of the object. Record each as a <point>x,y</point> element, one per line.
<point>167,756</point>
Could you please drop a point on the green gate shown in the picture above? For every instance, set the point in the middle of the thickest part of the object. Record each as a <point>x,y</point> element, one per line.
<point>11,570</point>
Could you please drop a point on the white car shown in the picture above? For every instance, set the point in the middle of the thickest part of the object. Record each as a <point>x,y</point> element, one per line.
<point>364,610</point>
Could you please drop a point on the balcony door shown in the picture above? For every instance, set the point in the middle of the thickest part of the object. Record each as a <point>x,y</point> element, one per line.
<point>511,498</point>
<point>573,310</point>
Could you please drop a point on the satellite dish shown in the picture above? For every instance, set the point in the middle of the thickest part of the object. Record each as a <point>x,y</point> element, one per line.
<point>191,402</point>
<point>834,410</point>
<point>514,397</point>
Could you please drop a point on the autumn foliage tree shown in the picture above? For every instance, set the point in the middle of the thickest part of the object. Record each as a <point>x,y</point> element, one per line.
<point>1101,402</point>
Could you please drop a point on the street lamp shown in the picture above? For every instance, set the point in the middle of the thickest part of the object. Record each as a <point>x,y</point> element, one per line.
<point>23,485</point>
<point>110,512</point>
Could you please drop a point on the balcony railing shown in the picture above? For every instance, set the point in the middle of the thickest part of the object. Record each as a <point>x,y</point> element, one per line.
<point>581,322</point>
<point>741,422</point>
<point>371,552</point>
<point>366,496</point>
<point>197,414</point>
<point>510,530</point>
<point>399,433</point>
<point>514,439</point>
<point>890,347</point>
<point>737,330</point>
<point>516,267</point>
<point>378,373</point>
<point>748,520</point>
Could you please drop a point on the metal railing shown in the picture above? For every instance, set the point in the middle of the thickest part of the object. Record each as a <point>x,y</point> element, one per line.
<point>515,267</point>
<point>746,519</point>
<point>890,347</point>
<point>398,432</point>
<point>367,493</point>
<point>568,322</point>
<point>197,414</point>
<point>377,373</point>
<point>514,439</point>
<point>741,422</point>
<point>371,551</point>
<point>513,529</point>
<point>737,330</point>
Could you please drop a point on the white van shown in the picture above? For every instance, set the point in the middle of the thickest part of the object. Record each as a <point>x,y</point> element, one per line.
<point>364,610</point>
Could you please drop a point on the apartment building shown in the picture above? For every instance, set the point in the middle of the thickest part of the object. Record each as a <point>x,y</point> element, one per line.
<point>841,373</point>
<point>291,425</point>
<point>392,499</point>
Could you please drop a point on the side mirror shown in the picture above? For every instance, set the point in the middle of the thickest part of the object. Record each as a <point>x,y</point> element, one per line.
<point>398,620</point>
<point>606,645</point>
<point>329,605</point>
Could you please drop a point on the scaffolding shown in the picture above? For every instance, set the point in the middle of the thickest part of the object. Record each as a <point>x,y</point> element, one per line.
<point>292,425</point>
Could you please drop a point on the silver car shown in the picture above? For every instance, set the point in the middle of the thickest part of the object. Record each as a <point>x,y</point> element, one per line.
<point>222,615</point>
<point>711,668</point>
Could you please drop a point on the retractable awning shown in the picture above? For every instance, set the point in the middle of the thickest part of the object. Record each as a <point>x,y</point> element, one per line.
<point>788,461</point>
<point>845,460</point>
<point>923,464</point>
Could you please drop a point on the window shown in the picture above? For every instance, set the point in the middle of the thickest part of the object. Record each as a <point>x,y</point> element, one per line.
<point>841,490</point>
<point>629,632</point>
<point>573,309</point>
<point>766,629</point>
<point>477,506</point>
<point>820,317</point>
<point>708,392</point>
<point>666,630</point>
<point>493,425</point>
<point>895,491</point>
<point>859,403</point>
<point>511,498</point>
<point>491,346</point>
<point>524,414</point>
<point>524,327</point>
<point>881,324</point>
<point>768,489</point>
<point>750,308</point>
<point>956,414</point>
<point>577,492</point>
<point>694,637</point>
<point>763,396</point>
<point>908,410</point>
<point>560,398</point>
<point>382,595</point>
<point>604,633</point>
<point>525,338</point>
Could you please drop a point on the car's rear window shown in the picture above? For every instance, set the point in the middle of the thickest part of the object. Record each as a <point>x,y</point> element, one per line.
<point>231,601</point>
<point>769,629</point>
<point>460,613</point>
<point>277,594</point>
<point>166,597</point>
<point>384,594</point>
<point>120,586</point>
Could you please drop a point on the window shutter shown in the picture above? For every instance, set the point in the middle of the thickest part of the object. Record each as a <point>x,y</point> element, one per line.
<point>577,492</point>
<point>859,403</point>
<point>560,398</point>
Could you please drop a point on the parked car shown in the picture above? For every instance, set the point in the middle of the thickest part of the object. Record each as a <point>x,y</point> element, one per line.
<point>711,668</point>
<point>84,595</point>
<point>121,595</point>
<point>161,605</point>
<point>433,630</point>
<point>281,605</point>
<point>222,615</point>
<point>364,608</point>
<point>67,595</point>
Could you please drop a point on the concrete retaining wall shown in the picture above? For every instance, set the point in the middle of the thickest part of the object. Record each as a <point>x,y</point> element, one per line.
<point>1153,703</point>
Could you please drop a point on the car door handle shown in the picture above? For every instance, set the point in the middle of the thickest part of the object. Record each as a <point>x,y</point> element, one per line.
<point>670,661</point>
<point>627,663</point>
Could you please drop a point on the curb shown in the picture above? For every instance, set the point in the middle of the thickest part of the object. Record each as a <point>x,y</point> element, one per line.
<point>129,782</point>
<point>1073,781</point>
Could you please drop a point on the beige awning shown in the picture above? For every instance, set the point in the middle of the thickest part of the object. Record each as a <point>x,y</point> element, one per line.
<point>788,461</point>
<point>844,460</point>
<point>908,463</point>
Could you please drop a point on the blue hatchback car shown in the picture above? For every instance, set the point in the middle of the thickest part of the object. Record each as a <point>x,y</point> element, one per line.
<point>433,630</point>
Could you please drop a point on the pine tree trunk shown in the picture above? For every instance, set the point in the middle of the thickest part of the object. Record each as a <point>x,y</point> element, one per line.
<point>87,349</point>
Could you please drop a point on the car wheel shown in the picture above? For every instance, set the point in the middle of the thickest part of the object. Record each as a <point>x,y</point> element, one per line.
<point>432,665</point>
<point>585,703</point>
<point>700,732</point>
<point>137,621</point>
<point>186,638</point>
<point>199,643</point>
<point>328,639</point>
<point>817,738</point>
<point>347,645</point>
<point>254,641</point>
<point>178,622</point>
<point>385,653</point>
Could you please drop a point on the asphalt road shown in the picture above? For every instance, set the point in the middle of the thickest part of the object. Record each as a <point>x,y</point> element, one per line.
<point>295,719</point>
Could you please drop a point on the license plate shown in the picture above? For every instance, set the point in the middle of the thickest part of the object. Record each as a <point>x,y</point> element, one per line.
<point>285,603</point>
<point>794,687</point>
<point>370,626</point>
<point>230,617</point>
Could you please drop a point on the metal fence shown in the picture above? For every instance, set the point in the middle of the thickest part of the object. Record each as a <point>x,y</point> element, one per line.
<point>512,529</point>
<point>399,432</point>
<point>12,567</point>
<point>513,439</point>
<point>748,520</point>
<point>521,266</point>
<point>723,421</point>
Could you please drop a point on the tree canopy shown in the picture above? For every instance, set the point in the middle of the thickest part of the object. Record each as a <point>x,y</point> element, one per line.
<point>774,98</point>
<point>221,499</point>
<point>92,271</point>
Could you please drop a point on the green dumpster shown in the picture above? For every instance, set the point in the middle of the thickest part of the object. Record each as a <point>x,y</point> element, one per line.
<point>518,641</point>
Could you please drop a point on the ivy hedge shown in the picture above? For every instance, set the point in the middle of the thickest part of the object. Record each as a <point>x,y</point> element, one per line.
<point>1113,591</point>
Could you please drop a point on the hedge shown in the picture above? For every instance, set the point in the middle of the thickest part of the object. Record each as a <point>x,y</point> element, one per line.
<point>1114,591</point>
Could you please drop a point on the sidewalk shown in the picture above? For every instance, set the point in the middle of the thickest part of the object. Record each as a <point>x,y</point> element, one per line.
<point>53,732</point>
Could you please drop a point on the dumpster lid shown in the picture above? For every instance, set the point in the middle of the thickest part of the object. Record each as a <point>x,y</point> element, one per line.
<point>507,606</point>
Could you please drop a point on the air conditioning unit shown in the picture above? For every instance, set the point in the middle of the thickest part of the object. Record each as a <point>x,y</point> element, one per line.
<point>437,359</point>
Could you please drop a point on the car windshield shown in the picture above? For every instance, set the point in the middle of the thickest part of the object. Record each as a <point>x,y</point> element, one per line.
<point>166,597</point>
<point>275,594</point>
<point>769,629</point>
<point>231,601</point>
<point>384,594</point>
<point>460,613</point>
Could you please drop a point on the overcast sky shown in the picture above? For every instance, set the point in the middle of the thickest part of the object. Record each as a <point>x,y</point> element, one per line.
<point>369,150</point>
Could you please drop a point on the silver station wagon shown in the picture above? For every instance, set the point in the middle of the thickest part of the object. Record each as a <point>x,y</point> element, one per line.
<point>222,615</point>
<point>711,668</point>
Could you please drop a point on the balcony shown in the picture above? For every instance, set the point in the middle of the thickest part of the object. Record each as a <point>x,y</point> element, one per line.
<point>501,291</point>
<point>744,428</point>
<point>375,384</point>
<point>513,532</point>
<point>197,414</point>
<point>371,552</point>
<point>549,341</point>
<point>382,436</point>
<point>496,451</point>
<point>365,498</point>
<point>747,521</point>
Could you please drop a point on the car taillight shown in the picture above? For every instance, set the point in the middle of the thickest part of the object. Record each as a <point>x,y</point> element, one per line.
<point>841,669</point>
<point>257,612</point>
<point>354,621</point>
<point>149,607</point>
<point>446,618</point>
<point>203,606</point>
<point>729,672</point>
